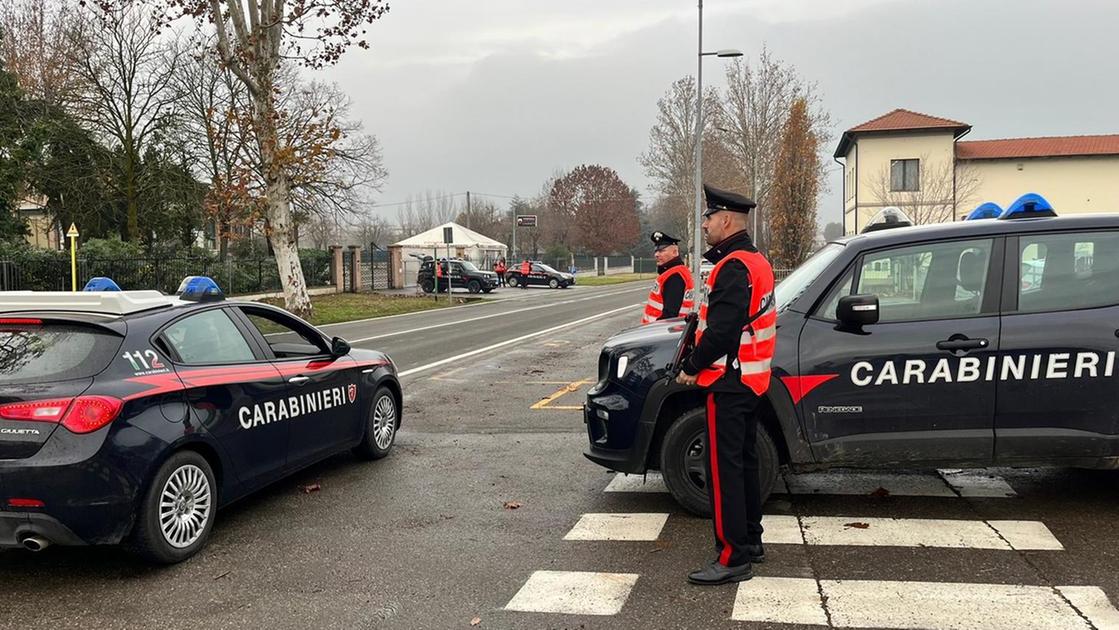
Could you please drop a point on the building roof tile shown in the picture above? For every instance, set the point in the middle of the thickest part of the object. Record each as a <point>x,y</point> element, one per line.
<point>1058,146</point>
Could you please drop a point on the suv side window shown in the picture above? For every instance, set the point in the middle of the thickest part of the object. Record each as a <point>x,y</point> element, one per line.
<point>208,337</point>
<point>927,281</point>
<point>287,338</point>
<point>1068,271</point>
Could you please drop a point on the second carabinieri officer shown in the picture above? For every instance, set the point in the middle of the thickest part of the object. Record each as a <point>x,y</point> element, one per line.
<point>672,295</point>
<point>734,345</point>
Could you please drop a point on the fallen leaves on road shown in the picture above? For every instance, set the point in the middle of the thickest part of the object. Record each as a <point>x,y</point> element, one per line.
<point>309,488</point>
<point>858,525</point>
<point>880,493</point>
<point>511,505</point>
<point>477,621</point>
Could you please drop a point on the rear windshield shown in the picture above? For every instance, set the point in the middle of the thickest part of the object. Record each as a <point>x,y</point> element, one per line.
<point>54,352</point>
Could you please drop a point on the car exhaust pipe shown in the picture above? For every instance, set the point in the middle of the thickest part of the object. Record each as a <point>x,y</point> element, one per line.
<point>36,543</point>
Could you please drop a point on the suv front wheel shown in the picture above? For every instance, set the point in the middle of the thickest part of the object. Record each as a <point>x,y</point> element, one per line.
<point>683,459</point>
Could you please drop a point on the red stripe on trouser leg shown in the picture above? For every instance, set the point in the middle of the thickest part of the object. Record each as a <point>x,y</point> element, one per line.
<point>716,494</point>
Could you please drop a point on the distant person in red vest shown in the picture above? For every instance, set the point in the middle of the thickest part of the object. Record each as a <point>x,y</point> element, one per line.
<point>673,293</point>
<point>526,268</point>
<point>499,269</point>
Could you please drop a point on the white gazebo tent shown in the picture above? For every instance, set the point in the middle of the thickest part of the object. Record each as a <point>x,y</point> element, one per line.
<point>465,244</point>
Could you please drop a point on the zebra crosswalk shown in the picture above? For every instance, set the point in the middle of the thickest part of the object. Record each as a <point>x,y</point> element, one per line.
<point>803,598</point>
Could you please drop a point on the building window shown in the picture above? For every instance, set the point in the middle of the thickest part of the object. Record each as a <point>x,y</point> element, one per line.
<point>905,175</point>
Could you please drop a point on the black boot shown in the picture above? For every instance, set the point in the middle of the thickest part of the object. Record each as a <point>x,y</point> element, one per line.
<point>715,573</point>
<point>755,553</point>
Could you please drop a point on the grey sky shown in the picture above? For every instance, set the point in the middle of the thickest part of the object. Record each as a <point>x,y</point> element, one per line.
<point>495,95</point>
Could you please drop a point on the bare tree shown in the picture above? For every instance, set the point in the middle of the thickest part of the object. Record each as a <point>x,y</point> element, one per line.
<point>253,37</point>
<point>941,187</point>
<point>420,213</point>
<point>127,96</point>
<point>35,43</point>
<point>670,159</point>
<point>758,100</point>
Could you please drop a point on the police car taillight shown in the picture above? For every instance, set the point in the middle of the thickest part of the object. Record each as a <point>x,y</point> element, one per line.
<point>200,289</point>
<point>83,414</point>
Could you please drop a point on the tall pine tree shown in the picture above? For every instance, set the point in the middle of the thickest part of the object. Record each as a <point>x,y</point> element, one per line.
<point>793,195</point>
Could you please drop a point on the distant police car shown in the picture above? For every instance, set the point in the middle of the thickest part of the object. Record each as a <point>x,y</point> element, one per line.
<point>132,417</point>
<point>539,275</point>
<point>969,344</point>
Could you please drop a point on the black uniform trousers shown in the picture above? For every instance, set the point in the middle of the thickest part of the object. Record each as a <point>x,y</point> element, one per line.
<point>732,474</point>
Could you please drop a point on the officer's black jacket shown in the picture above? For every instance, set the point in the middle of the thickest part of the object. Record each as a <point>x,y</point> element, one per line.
<point>728,307</point>
<point>673,291</point>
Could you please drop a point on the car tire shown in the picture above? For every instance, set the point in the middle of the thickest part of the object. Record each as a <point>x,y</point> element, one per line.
<point>553,283</point>
<point>682,462</point>
<point>474,286</point>
<point>381,422</point>
<point>427,285</point>
<point>487,290</point>
<point>512,282</point>
<point>170,533</point>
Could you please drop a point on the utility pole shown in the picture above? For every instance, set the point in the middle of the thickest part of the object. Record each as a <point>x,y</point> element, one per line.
<point>468,209</point>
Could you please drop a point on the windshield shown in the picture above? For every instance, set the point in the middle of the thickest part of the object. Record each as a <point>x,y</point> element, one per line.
<point>547,268</point>
<point>469,266</point>
<point>791,287</point>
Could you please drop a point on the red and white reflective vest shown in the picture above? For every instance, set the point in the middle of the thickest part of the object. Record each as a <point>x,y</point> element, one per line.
<point>655,306</point>
<point>759,337</point>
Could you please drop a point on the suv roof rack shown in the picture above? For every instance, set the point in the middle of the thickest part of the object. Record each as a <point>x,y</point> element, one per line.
<point>103,302</point>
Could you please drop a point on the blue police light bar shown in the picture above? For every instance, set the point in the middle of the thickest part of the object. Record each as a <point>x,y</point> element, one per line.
<point>200,289</point>
<point>101,283</point>
<point>1029,206</point>
<point>989,210</point>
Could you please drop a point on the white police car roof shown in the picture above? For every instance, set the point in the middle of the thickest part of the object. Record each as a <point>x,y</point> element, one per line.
<point>103,302</point>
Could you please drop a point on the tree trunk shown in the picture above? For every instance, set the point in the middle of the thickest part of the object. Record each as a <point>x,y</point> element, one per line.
<point>279,220</point>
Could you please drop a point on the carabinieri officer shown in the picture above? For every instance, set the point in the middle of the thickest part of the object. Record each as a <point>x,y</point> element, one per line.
<point>672,295</point>
<point>734,344</point>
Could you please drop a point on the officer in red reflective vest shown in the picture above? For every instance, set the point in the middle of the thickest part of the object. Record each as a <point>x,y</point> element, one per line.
<point>672,295</point>
<point>734,345</point>
<point>526,268</point>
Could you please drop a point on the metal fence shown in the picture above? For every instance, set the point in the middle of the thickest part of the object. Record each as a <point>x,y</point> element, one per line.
<point>161,274</point>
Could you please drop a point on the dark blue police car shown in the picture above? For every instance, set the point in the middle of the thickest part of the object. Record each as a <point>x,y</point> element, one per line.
<point>969,344</point>
<point>132,416</point>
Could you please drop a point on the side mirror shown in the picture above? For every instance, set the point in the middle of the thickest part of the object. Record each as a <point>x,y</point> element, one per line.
<point>339,347</point>
<point>858,310</point>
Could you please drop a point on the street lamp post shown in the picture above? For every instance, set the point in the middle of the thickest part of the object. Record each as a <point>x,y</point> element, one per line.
<point>697,236</point>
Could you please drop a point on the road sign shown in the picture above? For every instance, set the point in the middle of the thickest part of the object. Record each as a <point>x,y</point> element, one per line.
<point>73,231</point>
<point>448,235</point>
<point>72,234</point>
<point>526,220</point>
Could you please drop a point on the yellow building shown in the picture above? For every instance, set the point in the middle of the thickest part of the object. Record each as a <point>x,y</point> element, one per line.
<point>920,164</point>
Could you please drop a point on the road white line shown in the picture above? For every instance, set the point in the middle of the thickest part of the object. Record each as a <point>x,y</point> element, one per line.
<point>909,532</point>
<point>950,606</point>
<point>866,483</point>
<point>507,342</point>
<point>574,593</point>
<point>941,605</point>
<point>649,482</point>
<point>779,600</point>
<point>1093,603</point>
<point>618,527</point>
<point>481,317</point>
<point>977,483</point>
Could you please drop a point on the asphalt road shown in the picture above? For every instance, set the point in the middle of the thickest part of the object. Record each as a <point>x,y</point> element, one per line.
<point>426,538</point>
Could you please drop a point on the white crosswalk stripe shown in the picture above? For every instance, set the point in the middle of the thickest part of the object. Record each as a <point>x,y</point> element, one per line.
<point>574,593</point>
<point>618,527</point>
<point>944,483</point>
<point>940,605</point>
<point>909,532</point>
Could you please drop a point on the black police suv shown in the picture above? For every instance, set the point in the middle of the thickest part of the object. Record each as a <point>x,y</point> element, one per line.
<point>458,274</point>
<point>540,275</point>
<point>132,417</point>
<point>969,344</point>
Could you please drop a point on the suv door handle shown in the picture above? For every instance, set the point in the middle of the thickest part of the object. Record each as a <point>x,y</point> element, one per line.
<point>961,343</point>
<point>299,380</point>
